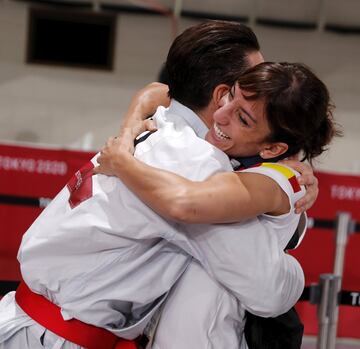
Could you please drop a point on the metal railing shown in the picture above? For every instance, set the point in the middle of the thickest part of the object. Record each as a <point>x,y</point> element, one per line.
<point>330,287</point>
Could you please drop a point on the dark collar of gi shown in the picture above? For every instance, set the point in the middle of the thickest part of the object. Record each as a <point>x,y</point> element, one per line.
<point>142,137</point>
<point>241,163</point>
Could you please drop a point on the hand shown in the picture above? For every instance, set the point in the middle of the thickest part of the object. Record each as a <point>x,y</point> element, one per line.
<point>128,134</point>
<point>113,154</point>
<point>110,157</point>
<point>308,179</point>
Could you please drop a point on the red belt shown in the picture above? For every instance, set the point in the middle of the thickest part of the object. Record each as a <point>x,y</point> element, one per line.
<point>48,315</point>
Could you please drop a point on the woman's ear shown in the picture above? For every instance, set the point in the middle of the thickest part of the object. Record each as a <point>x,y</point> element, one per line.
<point>273,150</point>
<point>219,92</point>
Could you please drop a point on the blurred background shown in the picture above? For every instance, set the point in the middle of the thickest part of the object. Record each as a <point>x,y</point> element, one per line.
<point>81,107</point>
<point>68,69</point>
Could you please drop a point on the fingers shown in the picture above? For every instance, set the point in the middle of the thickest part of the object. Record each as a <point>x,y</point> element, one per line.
<point>105,149</point>
<point>308,180</point>
<point>112,153</point>
<point>104,165</point>
<point>109,142</point>
<point>301,205</point>
<point>150,125</point>
<point>304,204</point>
<point>97,169</point>
<point>312,192</point>
<point>145,125</point>
<point>139,127</point>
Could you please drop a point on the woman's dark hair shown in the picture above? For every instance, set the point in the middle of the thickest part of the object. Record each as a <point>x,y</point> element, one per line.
<point>204,56</point>
<point>297,106</point>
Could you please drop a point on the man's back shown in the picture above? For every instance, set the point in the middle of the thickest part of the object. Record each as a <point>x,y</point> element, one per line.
<point>101,256</point>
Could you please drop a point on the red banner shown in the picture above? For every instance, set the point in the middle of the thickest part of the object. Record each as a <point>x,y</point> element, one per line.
<point>317,252</point>
<point>29,174</point>
<point>37,173</point>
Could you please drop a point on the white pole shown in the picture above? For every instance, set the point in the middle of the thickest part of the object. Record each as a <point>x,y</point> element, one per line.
<point>342,232</point>
<point>330,286</point>
<point>96,5</point>
<point>323,314</point>
<point>177,8</point>
<point>253,13</point>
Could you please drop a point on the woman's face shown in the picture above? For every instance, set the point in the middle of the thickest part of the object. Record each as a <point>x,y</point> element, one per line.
<point>240,126</point>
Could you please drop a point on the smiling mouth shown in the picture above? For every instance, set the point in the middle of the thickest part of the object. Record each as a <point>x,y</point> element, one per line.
<point>220,133</point>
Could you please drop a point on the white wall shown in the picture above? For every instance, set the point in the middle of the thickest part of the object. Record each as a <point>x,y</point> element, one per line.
<point>62,105</point>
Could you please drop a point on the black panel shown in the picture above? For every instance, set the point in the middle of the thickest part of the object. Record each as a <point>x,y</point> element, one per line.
<point>71,37</point>
<point>343,29</point>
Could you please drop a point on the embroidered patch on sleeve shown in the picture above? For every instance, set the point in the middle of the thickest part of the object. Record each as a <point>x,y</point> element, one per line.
<point>290,175</point>
<point>80,185</point>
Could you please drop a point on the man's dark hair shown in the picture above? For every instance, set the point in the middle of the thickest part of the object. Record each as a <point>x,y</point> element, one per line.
<point>297,106</point>
<point>204,56</point>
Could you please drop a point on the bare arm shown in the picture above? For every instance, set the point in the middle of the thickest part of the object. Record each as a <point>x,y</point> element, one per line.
<point>142,105</point>
<point>224,197</point>
<point>145,102</point>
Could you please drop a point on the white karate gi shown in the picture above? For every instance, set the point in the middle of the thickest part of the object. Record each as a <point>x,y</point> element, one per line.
<point>110,261</point>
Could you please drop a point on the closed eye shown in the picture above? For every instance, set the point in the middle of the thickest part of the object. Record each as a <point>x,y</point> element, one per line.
<point>243,120</point>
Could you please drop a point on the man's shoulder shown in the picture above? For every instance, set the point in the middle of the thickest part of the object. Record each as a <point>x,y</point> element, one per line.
<point>169,116</point>
<point>173,133</point>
